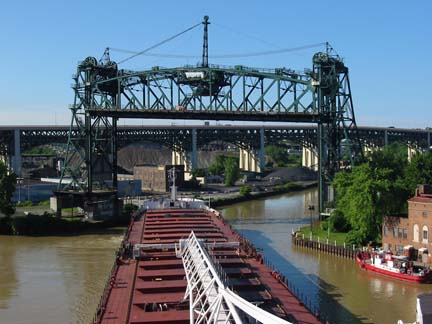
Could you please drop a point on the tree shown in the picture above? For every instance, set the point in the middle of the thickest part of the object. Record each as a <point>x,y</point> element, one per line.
<point>217,167</point>
<point>419,171</point>
<point>278,154</point>
<point>7,188</point>
<point>231,170</point>
<point>371,190</point>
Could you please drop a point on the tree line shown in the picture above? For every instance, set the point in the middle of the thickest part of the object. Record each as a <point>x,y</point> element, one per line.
<point>379,186</point>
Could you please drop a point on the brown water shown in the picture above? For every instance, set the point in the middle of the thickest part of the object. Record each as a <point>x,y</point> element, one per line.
<point>54,280</point>
<point>343,292</point>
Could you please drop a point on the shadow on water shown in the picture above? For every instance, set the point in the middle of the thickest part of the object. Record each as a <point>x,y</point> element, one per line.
<point>311,287</point>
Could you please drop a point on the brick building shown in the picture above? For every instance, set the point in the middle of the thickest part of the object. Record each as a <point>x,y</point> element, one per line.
<point>403,234</point>
<point>157,177</point>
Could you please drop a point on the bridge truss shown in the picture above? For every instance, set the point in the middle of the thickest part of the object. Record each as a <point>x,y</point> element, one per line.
<point>104,93</point>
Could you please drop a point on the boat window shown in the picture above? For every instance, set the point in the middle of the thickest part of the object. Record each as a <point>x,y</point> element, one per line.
<point>416,233</point>
<point>425,233</point>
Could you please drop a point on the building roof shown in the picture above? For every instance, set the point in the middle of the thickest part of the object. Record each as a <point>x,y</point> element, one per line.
<point>421,199</point>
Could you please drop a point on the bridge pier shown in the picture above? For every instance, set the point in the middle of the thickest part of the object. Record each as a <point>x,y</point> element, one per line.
<point>250,160</point>
<point>16,160</point>
<point>310,158</point>
<point>184,158</point>
<point>413,150</point>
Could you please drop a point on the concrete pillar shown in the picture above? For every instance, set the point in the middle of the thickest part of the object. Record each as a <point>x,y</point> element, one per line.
<point>194,153</point>
<point>385,138</point>
<point>310,158</point>
<point>181,158</point>
<point>367,149</point>
<point>412,150</point>
<point>242,159</point>
<point>261,151</point>
<point>16,158</point>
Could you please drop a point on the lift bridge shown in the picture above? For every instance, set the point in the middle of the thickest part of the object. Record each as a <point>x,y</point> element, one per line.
<point>104,93</point>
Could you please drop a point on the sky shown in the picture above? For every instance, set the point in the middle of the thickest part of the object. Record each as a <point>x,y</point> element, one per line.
<point>387,46</point>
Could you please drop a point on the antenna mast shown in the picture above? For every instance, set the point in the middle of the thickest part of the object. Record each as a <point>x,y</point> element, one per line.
<point>205,43</point>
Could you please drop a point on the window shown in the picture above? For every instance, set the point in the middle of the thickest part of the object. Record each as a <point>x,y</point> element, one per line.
<point>389,247</point>
<point>405,233</point>
<point>425,214</point>
<point>395,232</point>
<point>425,233</point>
<point>400,232</point>
<point>399,248</point>
<point>386,231</point>
<point>416,233</point>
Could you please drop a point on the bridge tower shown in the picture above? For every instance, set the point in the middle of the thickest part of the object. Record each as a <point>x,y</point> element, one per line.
<point>332,94</point>
<point>104,93</point>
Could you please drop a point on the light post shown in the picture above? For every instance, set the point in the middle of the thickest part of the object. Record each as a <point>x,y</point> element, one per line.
<point>19,181</point>
<point>311,208</point>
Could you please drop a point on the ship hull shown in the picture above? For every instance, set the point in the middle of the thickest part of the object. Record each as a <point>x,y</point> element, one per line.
<point>361,261</point>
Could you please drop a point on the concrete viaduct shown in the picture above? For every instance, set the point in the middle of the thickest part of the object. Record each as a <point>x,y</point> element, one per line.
<point>185,141</point>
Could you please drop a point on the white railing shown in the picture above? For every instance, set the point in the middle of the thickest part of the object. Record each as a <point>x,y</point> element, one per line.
<point>210,298</point>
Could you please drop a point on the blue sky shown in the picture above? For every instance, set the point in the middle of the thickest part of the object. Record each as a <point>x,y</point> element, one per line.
<point>386,44</point>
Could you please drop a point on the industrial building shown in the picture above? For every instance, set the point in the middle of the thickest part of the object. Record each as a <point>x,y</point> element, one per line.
<point>409,234</point>
<point>157,177</point>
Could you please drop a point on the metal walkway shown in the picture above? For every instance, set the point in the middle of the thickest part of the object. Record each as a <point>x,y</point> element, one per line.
<point>210,297</point>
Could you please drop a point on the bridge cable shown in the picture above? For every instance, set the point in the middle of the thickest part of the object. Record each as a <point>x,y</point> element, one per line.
<point>160,43</point>
<point>233,55</point>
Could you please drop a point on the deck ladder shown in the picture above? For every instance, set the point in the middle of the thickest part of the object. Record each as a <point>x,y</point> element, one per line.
<point>210,298</point>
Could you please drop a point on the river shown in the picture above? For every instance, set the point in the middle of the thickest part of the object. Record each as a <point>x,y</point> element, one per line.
<point>51,280</point>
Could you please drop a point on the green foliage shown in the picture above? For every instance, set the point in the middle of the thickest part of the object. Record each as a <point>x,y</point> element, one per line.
<point>218,167</point>
<point>278,154</point>
<point>289,186</point>
<point>40,150</point>
<point>337,222</point>
<point>231,170</point>
<point>245,191</point>
<point>371,190</point>
<point>26,203</point>
<point>44,203</point>
<point>198,173</point>
<point>7,188</point>
<point>128,210</point>
<point>419,171</point>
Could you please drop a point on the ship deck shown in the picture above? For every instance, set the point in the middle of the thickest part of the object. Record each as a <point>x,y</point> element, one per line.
<point>151,289</point>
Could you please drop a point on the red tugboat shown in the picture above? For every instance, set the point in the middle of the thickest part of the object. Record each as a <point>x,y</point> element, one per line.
<point>394,266</point>
<point>180,263</point>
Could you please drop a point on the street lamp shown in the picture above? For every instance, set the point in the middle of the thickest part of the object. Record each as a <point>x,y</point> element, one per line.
<point>19,181</point>
<point>311,208</point>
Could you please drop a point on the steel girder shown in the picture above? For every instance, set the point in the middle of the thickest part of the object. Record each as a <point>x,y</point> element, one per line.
<point>32,136</point>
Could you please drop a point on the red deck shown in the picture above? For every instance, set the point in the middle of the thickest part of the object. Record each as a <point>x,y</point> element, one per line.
<point>151,290</point>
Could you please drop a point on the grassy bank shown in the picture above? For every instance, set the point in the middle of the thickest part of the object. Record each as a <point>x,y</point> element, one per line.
<point>286,188</point>
<point>323,235</point>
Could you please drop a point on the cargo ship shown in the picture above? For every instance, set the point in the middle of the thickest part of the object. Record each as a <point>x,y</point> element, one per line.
<point>398,267</point>
<point>180,262</point>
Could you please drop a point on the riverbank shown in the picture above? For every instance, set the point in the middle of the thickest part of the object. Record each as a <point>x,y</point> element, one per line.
<point>49,225</point>
<point>278,190</point>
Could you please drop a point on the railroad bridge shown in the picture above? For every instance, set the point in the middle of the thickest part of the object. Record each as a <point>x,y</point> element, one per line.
<point>105,91</point>
<point>185,141</point>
